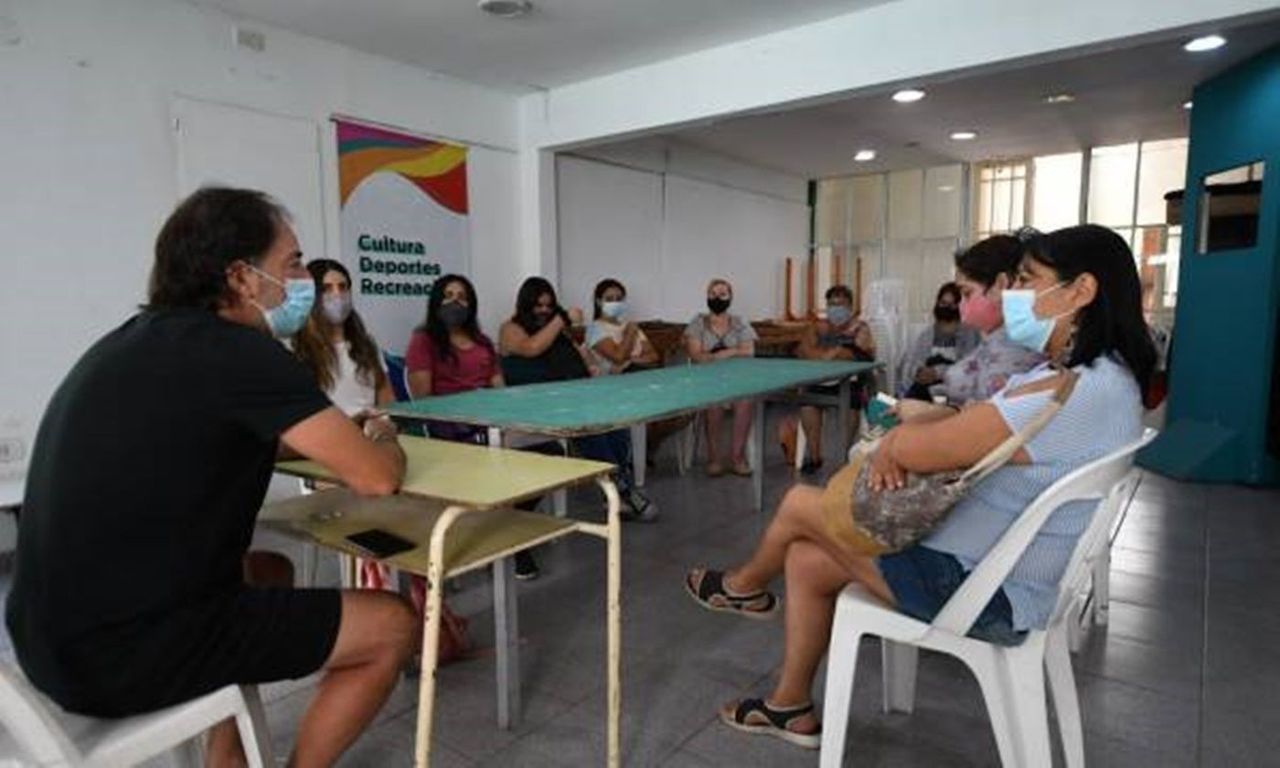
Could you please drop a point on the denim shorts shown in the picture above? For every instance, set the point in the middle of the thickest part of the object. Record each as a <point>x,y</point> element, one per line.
<point>923,579</point>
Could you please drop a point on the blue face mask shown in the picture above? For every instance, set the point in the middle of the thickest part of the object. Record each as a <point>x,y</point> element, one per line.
<point>288,317</point>
<point>839,314</point>
<point>1020,322</point>
<point>613,310</point>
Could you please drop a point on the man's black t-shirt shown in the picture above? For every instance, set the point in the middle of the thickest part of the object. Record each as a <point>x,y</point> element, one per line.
<point>149,468</point>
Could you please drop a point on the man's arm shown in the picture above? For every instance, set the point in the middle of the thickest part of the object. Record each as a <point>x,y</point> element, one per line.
<point>371,466</point>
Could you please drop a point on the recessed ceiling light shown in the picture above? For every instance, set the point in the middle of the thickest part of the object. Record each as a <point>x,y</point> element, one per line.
<point>946,188</point>
<point>964,135</point>
<point>1206,43</point>
<point>1059,98</point>
<point>864,155</point>
<point>1186,105</point>
<point>908,95</point>
<point>506,9</point>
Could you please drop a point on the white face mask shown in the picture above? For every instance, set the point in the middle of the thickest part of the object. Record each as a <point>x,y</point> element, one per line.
<point>336,307</point>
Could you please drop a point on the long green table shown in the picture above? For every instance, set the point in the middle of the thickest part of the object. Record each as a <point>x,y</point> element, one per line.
<point>605,403</point>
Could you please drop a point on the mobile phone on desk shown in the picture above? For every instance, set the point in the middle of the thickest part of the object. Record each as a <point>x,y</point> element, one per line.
<point>379,544</point>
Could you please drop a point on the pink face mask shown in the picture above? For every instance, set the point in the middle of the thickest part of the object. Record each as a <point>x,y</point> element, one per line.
<point>979,311</point>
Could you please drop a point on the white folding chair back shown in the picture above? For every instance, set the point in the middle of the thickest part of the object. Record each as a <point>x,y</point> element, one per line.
<point>44,735</point>
<point>1012,679</point>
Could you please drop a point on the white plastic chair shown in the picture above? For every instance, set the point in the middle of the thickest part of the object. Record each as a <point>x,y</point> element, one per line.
<point>1011,678</point>
<point>48,736</point>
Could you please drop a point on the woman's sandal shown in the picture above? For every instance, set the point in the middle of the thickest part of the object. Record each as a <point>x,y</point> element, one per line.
<point>707,588</point>
<point>756,716</point>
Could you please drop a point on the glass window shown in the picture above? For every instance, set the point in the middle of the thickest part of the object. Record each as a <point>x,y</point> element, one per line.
<point>1002,197</point>
<point>1112,185</point>
<point>830,215</point>
<point>906,204</point>
<point>1163,170</point>
<point>867,204</point>
<point>1055,188</point>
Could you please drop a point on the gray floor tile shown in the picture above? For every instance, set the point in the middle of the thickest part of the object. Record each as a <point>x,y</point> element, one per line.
<point>1104,752</point>
<point>1154,591</point>
<point>1241,737</point>
<point>1139,717</point>
<point>1179,625</point>
<point>1186,566</point>
<point>1173,669</point>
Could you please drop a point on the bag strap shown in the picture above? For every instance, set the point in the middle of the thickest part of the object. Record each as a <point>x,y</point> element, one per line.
<point>1005,451</point>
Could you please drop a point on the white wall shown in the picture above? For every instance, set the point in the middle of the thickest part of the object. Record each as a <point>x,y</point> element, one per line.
<point>665,217</point>
<point>89,161</point>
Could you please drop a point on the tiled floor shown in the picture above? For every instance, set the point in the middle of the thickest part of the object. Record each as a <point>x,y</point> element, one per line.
<point>1185,674</point>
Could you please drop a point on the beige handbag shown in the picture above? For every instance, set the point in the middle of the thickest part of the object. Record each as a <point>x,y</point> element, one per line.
<point>880,523</point>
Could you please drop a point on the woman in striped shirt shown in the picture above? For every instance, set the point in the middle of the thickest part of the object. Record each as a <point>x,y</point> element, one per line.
<point>1077,300</point>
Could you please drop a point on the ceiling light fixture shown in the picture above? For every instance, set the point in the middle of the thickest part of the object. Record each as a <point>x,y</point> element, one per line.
<point>964,135</point>
<point>1206,43</point>
<point>1059,98</point>
<point>864,156</point>
<point>908,95</point>
<point>506,9</point>
<point>1186,105</point>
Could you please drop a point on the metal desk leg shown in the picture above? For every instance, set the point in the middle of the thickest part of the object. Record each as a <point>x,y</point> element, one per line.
<point>846,428</point>
<point>757,448</point>
<point>614,612</point>
<point>506,630</point>
<point>431,636</point>
<point>639,452</point>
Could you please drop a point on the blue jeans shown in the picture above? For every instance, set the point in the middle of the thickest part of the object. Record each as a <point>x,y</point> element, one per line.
<point>923,580</point>
<point>612,447</point>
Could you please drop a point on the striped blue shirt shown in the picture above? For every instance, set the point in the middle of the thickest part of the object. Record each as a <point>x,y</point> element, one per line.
<point>1103,414</point>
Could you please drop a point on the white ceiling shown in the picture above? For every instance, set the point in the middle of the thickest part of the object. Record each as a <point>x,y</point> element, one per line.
<point>1122,96</point>
<point>562,41</point>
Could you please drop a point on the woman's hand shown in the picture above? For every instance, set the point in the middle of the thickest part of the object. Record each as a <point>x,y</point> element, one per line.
<point>885,473</point>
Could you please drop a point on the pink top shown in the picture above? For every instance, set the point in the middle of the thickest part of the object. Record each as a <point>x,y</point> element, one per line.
<point>469,369</point>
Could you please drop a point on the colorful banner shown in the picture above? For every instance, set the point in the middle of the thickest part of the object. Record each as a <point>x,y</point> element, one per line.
<point>403,224</point>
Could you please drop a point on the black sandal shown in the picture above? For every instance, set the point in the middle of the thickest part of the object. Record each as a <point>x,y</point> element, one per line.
<point>771,721</point>
<point>709,592</point>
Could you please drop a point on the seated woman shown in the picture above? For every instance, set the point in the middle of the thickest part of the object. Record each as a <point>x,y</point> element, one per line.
<point>337,349</point>
<point>448,354</point>
<point>618,345</point>
<point>840,336</point>
<point>983,272</point>
<point>536,347</point>
<point>937,347</point>
<point>347,364</point>
<point>615,343</point>
<point>1078,302</point>
<point>717,335</point>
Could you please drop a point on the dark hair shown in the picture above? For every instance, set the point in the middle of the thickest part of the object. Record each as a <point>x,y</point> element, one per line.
<point>1112,324</point>
<point>986,260</point>
<point>839,290</point>
<point>950,288</point>
<point>527,297</point>
<point>441,346</point>
<point>207,233</point>
<point>311,345</point>
<point>603,286</point>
